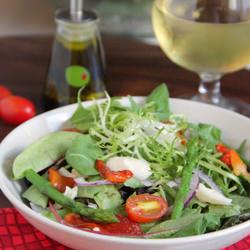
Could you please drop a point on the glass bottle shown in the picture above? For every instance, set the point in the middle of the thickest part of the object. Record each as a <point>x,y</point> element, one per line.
<point>77,61</point>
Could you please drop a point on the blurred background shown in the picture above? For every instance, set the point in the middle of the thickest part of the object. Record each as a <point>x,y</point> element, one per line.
<point>36,17</point>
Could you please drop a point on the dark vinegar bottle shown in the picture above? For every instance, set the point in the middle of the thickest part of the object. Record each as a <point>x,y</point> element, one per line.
<point>77,61</point>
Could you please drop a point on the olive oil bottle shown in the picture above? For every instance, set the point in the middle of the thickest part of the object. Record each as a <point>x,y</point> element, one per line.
<point>77,61</point>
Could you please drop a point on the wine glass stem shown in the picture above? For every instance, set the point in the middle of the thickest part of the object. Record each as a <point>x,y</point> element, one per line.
<point>209,89</point>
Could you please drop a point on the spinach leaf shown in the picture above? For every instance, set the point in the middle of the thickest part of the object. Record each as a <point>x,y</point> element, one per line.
<point>43,152</point>
<point>134,107</point>
<point>105,196</point>
<point>82,155</point>
<point>189,224</point>
<point>82,118</point>
<point>224,211</point>
<point>212,222</point>
<point>33,195</point>
<point>242,201</point>
<point>196,227</point>
<point>160,99</point>
<point>116,105</point>
<point>145,227</point>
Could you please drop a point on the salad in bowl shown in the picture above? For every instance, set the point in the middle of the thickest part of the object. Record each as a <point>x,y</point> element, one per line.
<point>137,171</point>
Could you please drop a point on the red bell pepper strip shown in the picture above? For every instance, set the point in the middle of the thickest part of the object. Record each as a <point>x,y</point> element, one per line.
<point>112,176</point>
<point>59,181</point>
<point>238,166</point>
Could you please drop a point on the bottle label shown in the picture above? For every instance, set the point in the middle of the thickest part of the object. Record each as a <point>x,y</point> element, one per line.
<point>77,76</point>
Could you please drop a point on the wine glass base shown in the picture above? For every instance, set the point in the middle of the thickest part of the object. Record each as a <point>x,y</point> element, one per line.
<point>233,104</point>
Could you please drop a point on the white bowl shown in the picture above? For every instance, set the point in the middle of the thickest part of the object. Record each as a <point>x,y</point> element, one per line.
<point>235,129</point>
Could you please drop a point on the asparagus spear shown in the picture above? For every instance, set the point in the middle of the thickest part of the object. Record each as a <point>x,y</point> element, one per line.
<point>46,188</point>
<point>193,151</point>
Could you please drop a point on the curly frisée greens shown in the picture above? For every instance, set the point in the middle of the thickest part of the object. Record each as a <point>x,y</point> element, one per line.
<point>136,171</point>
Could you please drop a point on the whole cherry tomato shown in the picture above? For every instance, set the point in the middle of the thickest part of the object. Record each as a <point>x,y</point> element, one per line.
<point>144,208</point>
<point>4,92</point>
<point>16,109</point>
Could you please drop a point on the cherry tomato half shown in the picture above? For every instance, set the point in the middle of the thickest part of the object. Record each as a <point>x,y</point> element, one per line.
<point>16,109</point>
<point>144,208</point>
<point>4,92</point>
<point>60,182</point>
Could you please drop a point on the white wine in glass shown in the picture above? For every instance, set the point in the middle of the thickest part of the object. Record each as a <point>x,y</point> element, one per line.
<point>209,37</point>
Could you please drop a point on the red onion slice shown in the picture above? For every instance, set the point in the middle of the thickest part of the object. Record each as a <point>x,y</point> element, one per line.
<point>54,212</point>
<point>193,186</point>
<point>81,183</point>
<point>208,180</point>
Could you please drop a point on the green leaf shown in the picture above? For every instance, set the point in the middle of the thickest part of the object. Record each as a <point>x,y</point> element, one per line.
<point>43,152</point>
<point>133,183</point>
<point>82,155</point>
<point>242,147</point>
<point>33,195</point>
<point>82,118</point>
<point>105,196</point>
<point>189,224</point>
<point>242,201</point>
<point>195,228</point>
<point>160,99</point>
<point>224,211</point>
<point>210,134</point>
<point>145,227</point>
<point>108,198</point>
<point>241,151</point>
<point>134,107</point>
<point>212,221</point>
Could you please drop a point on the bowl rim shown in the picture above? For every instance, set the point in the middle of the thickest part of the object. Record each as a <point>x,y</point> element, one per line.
<point>24,209</point>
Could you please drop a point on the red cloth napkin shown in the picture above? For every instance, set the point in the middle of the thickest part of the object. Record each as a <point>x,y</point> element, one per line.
<point>17,234</point>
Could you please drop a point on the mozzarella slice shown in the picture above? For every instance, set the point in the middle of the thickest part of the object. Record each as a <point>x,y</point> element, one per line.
<point>71,192</point>
<point>139,168</point>
<point>212,196</point>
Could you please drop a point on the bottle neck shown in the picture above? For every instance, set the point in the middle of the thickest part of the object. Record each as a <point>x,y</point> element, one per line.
<point>72,32</point>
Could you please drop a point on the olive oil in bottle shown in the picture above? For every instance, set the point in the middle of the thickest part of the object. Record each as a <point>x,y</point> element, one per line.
<point>77,61</point>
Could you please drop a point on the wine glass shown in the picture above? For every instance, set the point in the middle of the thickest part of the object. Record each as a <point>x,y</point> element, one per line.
<point>209,37</point>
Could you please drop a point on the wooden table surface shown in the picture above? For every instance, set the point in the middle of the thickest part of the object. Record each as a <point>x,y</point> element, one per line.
<point>132,68</point>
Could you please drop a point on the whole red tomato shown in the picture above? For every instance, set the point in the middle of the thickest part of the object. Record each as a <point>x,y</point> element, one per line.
<point>16,109</point>
<point>4,92</point>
